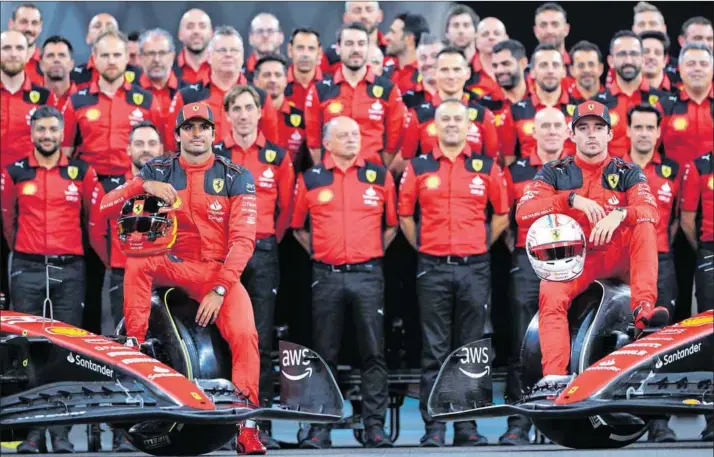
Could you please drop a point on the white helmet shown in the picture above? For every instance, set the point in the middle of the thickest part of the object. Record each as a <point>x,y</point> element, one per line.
<point>556,248</point>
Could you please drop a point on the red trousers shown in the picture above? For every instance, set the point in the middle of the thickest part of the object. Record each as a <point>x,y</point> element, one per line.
<point>235,319</point>
<point>635,255</point>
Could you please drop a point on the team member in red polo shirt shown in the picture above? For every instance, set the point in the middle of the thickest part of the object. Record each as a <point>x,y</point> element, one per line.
<point>98,118</point>
<point>225,57</point>
<point>57,63</point>
<point>429,48</point>
<point>265,38</point>
<point>272,170</point>
<point>550,132</point>
<point>351,207</point>
<point>460,30</point>
<point>587,68</point>
<point>453,188</point>
<point>195,32</point>
<point>27,19</point>
<point>46,198</point>
<point>304,71</point>
<point>489,32</point>
<point>655,54</point>
<point>402,42</point>
<point>375,103</point>
<point>551,27</point>
<point>690,128</point>
<point>19,97</point>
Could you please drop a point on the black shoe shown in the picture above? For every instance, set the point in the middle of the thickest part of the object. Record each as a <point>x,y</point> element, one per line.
<point>469,437</point>
<point>433,438</point>
<point>708,432</point>
<point>62,445</point>
<point>120,443</point>
<point>268,441</point>
<point>317,438</point>
<point>35,443</point>
<point>515,436</point>
<point>659,432</point>
<point>374,436</point>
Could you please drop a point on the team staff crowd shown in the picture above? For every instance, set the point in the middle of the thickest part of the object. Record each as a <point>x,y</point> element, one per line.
<point>406,146</point>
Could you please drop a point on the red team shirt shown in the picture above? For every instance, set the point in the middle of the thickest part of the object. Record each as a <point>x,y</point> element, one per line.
<point>15,112</point>
<point>689,130</point>
<point>698,194</point>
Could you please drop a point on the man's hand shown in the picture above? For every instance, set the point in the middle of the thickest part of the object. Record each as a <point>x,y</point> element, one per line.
<point>164,191</point>
<point>603,230</point>
<point>592,209</point>
<point>209,309</point>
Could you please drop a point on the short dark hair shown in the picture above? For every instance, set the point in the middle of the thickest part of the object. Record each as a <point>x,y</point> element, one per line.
<point>544,47</point>
<point>643,108</point>
<point>57,39</point>
<point>659,36</point>
<point>696,20</point>
<point>624,34</point>
<point>452,50</point>
<point>25,5</point>
<point>271,58</point>
<point>551,6</point>
<point>414,25</point>
<point>135,35</point>
<point>306,30</point>
<point>458,10</point>
<point>584,45</point>
<point>518,51</point>
<point>143,125</point>
<point>354,25</point>
<point>46,112</point>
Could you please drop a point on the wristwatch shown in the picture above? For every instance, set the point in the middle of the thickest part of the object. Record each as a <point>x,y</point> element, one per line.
<point>220,291</point>
<point>571,199</point>
<point>623,213</point>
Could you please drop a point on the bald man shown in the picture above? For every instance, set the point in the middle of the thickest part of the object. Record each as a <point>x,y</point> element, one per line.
<point>195,32</point>
<point>489,32</point>
<point>265,38</point>
<point>550,132</point>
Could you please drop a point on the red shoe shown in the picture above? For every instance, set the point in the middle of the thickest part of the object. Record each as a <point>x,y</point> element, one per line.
<point>648,316</point>
<point>248,442</point>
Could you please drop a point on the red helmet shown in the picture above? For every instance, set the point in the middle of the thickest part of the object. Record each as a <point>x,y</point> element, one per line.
<point>143,230</point>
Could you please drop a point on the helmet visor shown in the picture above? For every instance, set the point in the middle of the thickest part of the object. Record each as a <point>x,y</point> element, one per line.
<point>557,251</point>
<point>142,224</point>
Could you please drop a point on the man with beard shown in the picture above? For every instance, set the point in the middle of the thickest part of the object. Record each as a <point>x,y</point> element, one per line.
<point>19,98</point>
<point>225,58</point>
<point>375,103</point>
<point>27,19</point>
<point>57,64</point>
<point>489,32</point>
<point>265,37</point>
<point>215,208</point>
<point>46,199</point>
<point>402,42</point>
<point>270,76</point>
<point>655,53</point>
<point>461,23</point>
<point>304,52</point>
<point>629,88</point>
<point>552,28</point>
<point>195,32</point>
<point>587,68</point>
<point>429,47</point>
<point>550,132</point>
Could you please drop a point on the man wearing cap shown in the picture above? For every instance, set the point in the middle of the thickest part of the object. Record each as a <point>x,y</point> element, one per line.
<point>612,202</point>
<point>216,212</point>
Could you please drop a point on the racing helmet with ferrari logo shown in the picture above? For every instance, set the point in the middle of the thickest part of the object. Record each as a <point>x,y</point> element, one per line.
<point>556,248</point>
<point>147,226</point>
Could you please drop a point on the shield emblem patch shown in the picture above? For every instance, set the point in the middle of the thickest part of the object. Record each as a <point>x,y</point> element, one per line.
<point>295,120</point>
<point>371,175</point>
<point>218,184</point>
<point>666,171</point>
<point>138,99</point>
<point>613,179</point>
<point>138,208</point>
<point>477,164</point>
<point>473,113</point>
<point>73,172</point>
<point>377,91</point>
<point>34,96</point>
<point>270,155</point>
<point>653,99</point>
<point>130,76</point>
<point>570,109</point>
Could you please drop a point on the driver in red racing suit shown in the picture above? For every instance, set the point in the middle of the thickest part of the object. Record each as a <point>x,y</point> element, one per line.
<point>216,213</point>
<point>612,202</point>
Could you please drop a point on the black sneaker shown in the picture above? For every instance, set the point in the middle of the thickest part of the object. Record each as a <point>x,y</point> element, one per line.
<point>708,432</point>
<point>268,441</point>
<point>433,438</point>
<point>659,432</point>
<point>374,436</point>
<point>62,445</point>
<point>515,436</point>
<point>120,443</point>
<point>317,438</point>
<point>35,442</point>
<point>469,437</point>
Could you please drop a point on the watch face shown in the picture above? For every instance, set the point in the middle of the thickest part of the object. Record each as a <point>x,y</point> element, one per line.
<point>220,290</point>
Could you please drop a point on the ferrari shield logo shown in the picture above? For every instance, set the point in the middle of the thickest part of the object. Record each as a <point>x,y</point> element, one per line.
<point>653,99</point>
<point>666,171</point>
<point>477,164</point>
<point>73,172</point>
<point>570,109</point>
<point>130,76</point>
<point>613,179</point>
<point>138,99</point>
<point>591,106</point>
<point>377,91</point>
<point>555,234</point>
<point>270,155</point>
<point>138,208</point>
<point>371,175</point>
<point>34,96</point>
<point>295,120</point>
<point>218,184</point>
<point>473,113</point>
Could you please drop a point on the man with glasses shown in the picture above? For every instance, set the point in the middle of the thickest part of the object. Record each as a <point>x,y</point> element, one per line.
<point>265,38</point>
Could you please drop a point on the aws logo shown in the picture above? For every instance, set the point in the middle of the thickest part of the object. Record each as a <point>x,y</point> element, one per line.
<point>478,355</point>
<point>296,358</point>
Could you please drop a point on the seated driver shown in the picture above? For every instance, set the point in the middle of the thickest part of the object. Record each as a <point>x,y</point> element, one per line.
<point>215,209</point>
<point>612,202</point>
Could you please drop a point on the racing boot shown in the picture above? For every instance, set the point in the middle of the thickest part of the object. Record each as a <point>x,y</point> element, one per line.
<point>268,441</point>
<point>248,441</point>
<point>659,432</point>
<point>35,442</point>
<point>515,436</point>
<point>648,316</point>
<point>62,445</point>
<point>468,435</point>
<point>374,436</point>
<point>317,438</point>
<point>120,443</point>
<point>435,437</point>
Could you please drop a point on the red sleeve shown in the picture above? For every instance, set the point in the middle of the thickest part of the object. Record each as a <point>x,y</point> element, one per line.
<point>8,196</point>
<point>112,202</point>
<point>70,125</point>
<point>689,196</point>
<point>394,121</point>
<point>506,133</point>
<point>177,103</point>
<point>268,122</point>
<point>313,119</point>
<point>241,230</point>
<point>540,198</point>
<point>390,202</point>
<point>498,190</point>
<point>490,135</point>
<point>407,192</point>
<point>300,204</point>
<point>98,225</point>
<point>412,135</point>
<point>286,186</point>
<point>641,204</point>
